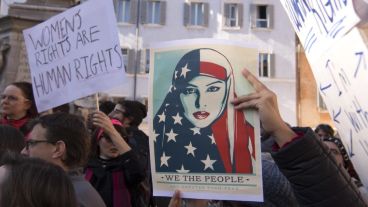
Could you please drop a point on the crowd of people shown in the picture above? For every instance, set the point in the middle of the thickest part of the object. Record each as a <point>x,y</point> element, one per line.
<point>62,159</point>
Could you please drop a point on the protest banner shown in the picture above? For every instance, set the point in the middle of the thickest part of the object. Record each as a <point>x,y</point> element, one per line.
<point>319,23</point>
<point>198,143</point>
<point>74,54</point>
<point>339,64</point>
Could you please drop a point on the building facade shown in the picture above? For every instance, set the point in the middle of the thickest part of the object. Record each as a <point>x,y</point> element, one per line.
<point>141,22</point>
<point>311,108</point>
<point>260,22</point>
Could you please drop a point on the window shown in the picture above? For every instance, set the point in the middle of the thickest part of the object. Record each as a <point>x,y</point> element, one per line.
<point>153,12</point>
<point>124,52</point>
<point>144,61</point>
<point>196,14</point>
<point>320,103</point>
<point>130,56</point>
<point>261,20</point>
<point>122,10</point>
<point>264,65</point>
<point>262,16</point>
<point>147,61</point>
<point>233,15</point>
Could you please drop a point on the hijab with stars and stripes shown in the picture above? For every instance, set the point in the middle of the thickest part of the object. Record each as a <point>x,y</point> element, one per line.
<point>181,145</point>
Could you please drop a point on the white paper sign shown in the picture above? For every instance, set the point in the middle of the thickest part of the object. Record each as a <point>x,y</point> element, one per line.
<point>342,80</point>
<point>338,57</point>
<point>74,54</point>
<point>319,23</point>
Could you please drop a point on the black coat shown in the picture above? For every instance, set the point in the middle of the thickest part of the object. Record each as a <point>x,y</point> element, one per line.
<point>314,175</point>
<point>102,177</point>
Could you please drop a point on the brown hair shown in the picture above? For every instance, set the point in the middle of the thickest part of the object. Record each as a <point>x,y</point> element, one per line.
<point>33,182</point>
<point>70,129</point>
<point>95,149</point>
<point>27,91</point>
<point>135,110</point>
<point>11,139</point>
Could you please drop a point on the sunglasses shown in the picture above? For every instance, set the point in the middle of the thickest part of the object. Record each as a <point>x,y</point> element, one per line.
<point>11,98</point>
<point>31,143</point>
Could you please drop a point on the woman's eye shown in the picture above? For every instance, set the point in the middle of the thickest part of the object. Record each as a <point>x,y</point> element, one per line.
<point>213,89</point>
<point>188,91</point>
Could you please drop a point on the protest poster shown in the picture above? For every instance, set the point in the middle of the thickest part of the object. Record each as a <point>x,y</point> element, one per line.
<point>198,143</point>
<point>74,54</point>
<point>342,80</point>
<point>338,58</point>
<point>320,23</point>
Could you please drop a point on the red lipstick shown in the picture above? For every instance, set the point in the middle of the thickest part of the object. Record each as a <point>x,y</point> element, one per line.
<point>201,115</point>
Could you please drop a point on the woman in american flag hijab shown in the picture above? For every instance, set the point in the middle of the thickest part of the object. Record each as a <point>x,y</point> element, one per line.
<point>196,129</point>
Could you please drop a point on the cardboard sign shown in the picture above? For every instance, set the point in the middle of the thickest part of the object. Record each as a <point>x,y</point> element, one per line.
<point>74,54</point>
<point>198,142</point>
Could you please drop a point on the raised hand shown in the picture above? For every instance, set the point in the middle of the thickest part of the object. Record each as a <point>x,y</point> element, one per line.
<point>265,101</point>
<point>100,119</point>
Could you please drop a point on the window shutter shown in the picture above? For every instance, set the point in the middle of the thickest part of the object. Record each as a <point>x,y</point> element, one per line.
<point>270,16</point>
<point>147,60</point>
<point>240,14</point>
<point>115,6</point>
<point>206,14</point>
<point>144,12</point>
<point>133,11</point>
<point>186,14</point>
<point>131,61</point>
<point>138,63</point>
<point>272,65</point>
<point>142,60</point>
<point>253,15</point>
<point>163,12</point>
<point>225,15</point>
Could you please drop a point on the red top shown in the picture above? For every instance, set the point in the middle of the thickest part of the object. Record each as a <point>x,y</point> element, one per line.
<point>15,123</point>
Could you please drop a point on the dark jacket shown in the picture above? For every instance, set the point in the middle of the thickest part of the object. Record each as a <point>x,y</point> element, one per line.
<point>138,141</point>
<point>101,174</point>
<point>314,175</point>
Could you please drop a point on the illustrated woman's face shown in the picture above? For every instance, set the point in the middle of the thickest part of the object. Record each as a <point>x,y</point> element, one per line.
<point>203,99</point>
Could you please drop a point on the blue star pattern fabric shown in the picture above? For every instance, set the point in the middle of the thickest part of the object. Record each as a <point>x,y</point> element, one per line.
<point>187,142</point>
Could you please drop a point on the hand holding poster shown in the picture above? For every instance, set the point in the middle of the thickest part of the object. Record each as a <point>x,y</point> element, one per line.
<point>74,54</point>
<point>199,143</point>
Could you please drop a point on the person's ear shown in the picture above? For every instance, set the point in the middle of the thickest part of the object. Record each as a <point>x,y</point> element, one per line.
<point>28,104</point>
<point>60,150</point>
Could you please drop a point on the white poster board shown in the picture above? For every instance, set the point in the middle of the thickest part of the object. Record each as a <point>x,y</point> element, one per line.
<point>319,23</point>
<point>74,54</point>
<point>342,79</point>
<point>338,57</point>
